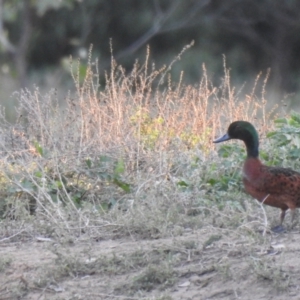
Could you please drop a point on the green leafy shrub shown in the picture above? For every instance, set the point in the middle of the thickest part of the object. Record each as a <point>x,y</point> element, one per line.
<point>285,140</point>
<point>150,130</point>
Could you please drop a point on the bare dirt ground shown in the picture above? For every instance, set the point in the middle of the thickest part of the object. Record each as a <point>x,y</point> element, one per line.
<point>210,263</point>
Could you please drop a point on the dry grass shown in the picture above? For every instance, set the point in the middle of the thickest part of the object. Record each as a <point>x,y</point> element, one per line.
<point>129,163</point>
<point>134,133</point>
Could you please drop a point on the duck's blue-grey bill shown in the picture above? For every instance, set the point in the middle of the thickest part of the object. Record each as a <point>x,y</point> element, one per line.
<point>223,138</point>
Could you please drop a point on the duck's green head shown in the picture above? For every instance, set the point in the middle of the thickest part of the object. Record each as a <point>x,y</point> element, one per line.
<point>245,131</point>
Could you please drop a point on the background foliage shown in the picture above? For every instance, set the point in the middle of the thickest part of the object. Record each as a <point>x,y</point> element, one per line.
<point>254,35</point>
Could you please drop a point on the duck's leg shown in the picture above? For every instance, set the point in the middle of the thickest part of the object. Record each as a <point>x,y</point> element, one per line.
<point>279,228</point>
<point>282,215</point>
<point>293,214</point>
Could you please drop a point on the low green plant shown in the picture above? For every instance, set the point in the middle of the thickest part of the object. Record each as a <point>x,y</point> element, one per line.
<point>110,172</point>
<point>226,172</point>
<point>5,262</point>
<point>286,137</point>
<point>151,129</point>
<point>272,273</point>
<point>101,167</point>
<point>155,276</point>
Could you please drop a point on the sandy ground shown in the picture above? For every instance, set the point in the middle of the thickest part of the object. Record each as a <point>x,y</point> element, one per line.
<point>204,266</point>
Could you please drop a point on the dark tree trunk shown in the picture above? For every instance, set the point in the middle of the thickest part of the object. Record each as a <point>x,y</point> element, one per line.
<point>23,45</point>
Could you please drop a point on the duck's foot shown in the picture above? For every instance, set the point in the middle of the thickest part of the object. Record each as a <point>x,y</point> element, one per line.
<point>278,229</point>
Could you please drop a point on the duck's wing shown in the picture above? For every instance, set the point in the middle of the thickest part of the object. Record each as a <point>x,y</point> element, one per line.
<point>276,180</point>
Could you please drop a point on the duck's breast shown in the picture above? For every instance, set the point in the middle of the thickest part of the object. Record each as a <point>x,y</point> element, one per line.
<point>253,171</point>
